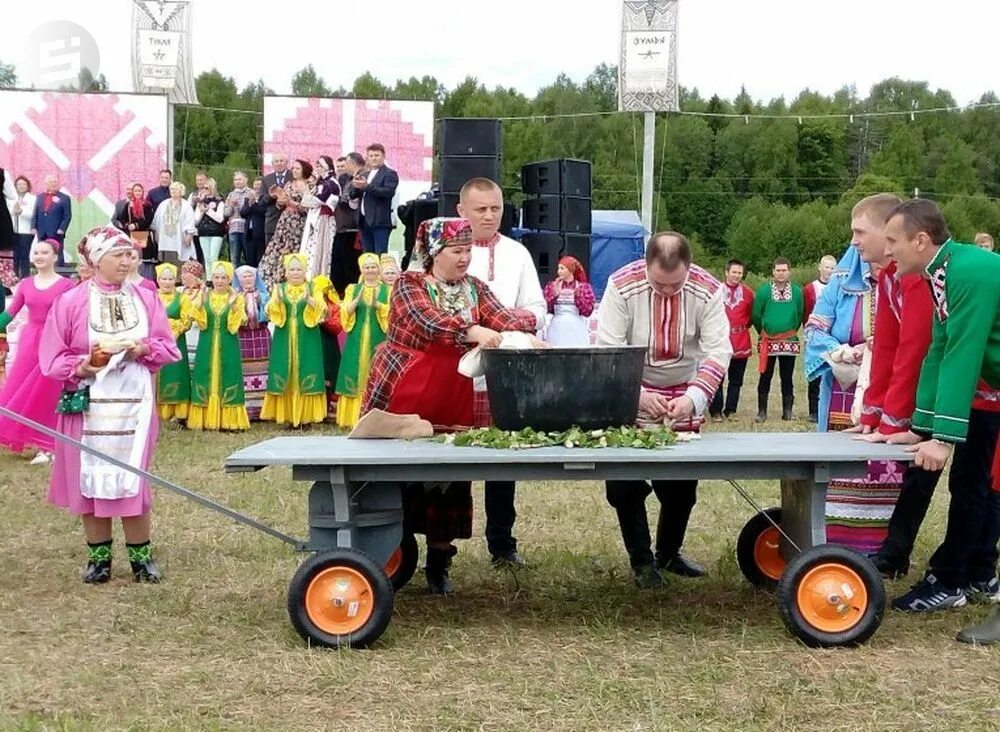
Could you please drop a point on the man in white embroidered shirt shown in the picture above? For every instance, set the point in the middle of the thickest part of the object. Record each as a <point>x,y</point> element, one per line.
<point>674,308</point>
<point>506,266</point>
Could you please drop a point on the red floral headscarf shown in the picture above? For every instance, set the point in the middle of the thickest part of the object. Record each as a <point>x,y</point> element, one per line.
<point>575,268</point>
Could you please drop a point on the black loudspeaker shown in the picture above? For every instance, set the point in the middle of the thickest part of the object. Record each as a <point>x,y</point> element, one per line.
<point>455,172</point>
<point>555,213</point>
<point>462,136</point>
<point>546,249</point>
<point>562,177</point>
<point>448,204</point>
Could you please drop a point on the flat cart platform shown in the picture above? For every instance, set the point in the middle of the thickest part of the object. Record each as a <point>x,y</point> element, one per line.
<point>343,595</point>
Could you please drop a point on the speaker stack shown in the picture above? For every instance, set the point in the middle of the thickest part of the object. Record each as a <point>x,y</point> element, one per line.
<point>557,212</point>
<point>467,148</point>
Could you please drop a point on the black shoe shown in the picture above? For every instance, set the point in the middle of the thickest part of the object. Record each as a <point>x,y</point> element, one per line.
<point>929,595</point>
<point>890,568</point>
<point>146,572</point>
<point>511,559</point>
<point>97,573</point>
<point>761,417</point>
<point>436,570</point>
<point>813,417</point>
<point>682,566</point>
<point>648,577</point>
<point>786,414</point>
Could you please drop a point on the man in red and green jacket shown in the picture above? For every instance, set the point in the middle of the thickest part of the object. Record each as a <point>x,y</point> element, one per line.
<point>957,406</point>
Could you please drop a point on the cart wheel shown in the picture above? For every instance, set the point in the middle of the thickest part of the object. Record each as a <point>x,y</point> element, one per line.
<point>831,596</point>
<point>403,562</point>
<point>340,599</point>
<point>758,550</point>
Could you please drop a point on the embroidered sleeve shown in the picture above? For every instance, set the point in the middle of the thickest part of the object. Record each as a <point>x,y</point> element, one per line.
<point>713,339</point>
<point>819,342</point>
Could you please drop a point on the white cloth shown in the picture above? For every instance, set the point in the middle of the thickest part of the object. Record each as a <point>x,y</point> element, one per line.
<point>174,241</point>
<point>515,280</point>
<point>471,364</point>
<point>689,342</point>
<point>121,411</point>
<point>22,222</point>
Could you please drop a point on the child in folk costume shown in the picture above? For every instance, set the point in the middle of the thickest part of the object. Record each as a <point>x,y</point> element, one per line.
<point>364,315</point>
<point>25,390</point>
<point>330,330</point>
<point>390,270</point>
<point>173,390</point>
<point>570,300</point>
<point>217,399</point>
<point>255,338</point>
<point>192,285</point>
<point>296,389</point>
<point>104,341</point>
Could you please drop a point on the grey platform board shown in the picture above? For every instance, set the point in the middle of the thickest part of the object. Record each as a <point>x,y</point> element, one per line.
<point>356,497</point>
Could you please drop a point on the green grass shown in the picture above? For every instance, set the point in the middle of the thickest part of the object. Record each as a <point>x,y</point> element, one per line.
<point>568,644</point>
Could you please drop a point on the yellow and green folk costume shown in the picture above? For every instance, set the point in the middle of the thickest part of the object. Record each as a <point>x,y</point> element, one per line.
<point>296,387</point>
<point>173,387</point>
<point>217,401</point>
<point>365,329</point>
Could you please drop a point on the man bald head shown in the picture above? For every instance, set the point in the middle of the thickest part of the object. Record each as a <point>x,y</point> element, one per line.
<point>668,259</point>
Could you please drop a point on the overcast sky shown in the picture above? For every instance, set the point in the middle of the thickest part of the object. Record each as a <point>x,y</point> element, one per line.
<point>774,47</point>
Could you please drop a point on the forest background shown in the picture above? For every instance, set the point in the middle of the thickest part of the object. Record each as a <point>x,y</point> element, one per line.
<point>738,183</point>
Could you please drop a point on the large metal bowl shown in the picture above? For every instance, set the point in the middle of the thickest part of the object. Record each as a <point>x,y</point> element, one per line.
<point>557,388</point>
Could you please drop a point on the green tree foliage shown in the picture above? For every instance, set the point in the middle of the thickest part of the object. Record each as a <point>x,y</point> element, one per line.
<point>748,187</point>
<point>8,76</point>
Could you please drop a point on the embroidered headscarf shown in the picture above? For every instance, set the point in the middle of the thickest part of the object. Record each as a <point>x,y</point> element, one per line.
<point>166,268</point>
<point>102,240</point>
<point>193,267</point>
<point>575,268</point>
<point>296,258</point>
<point>435,234</point>
<point>226,267</point>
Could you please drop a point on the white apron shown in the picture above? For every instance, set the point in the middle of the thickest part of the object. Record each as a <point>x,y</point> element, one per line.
<point>121,399</point>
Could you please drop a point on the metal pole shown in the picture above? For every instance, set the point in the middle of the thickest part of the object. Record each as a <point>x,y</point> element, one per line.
<point>155,480</point>
<point>648,145</point>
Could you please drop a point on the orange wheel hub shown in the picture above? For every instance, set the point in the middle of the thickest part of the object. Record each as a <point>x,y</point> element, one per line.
<point>339,600</point>
<point>767,554</point>
<point>832,597</point>
<point>394,563</point>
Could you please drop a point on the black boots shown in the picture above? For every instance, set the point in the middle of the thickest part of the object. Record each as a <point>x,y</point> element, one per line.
<point>144,569</point>
<point>786,408</point>
<point>97,573</point>
<point>436,570</point>
<point>761,410</point>
<point>98,570</point>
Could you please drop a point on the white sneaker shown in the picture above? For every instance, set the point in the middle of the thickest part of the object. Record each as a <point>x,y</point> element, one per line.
<point>42,458</point>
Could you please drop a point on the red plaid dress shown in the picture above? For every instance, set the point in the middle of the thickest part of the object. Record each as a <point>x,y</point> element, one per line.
<point>415,371</point>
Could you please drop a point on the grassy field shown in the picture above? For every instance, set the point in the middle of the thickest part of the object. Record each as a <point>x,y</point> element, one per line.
<point>568,644</point>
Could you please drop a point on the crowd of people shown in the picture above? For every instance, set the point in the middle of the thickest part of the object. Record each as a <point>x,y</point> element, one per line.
<point>900,337</point>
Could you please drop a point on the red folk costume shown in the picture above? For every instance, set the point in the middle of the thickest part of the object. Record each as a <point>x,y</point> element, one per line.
<point>903,313</point>
<point>739,309</point>
<point>416,370</point>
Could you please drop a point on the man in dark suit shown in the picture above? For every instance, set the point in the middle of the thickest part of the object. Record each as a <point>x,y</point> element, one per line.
<point>53,212</point>
<point>376,191</point>
<point>344,264</point>
<point>156,196</point>
<point>279,177</point>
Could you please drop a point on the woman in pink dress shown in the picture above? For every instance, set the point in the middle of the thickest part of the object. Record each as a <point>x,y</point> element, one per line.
<point>25,390</point>
<point>104,341</point>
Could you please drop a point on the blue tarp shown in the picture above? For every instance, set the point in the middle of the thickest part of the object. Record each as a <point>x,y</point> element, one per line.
<point>617,239</point>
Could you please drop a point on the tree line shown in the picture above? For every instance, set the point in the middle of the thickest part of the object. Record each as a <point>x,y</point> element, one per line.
<point>737,186</point>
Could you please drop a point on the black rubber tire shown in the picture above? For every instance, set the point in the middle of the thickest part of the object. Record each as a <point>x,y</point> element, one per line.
<point>747,542</point>
<point>814,637</point>
<point>408,566</point>
<point>381,605</point>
